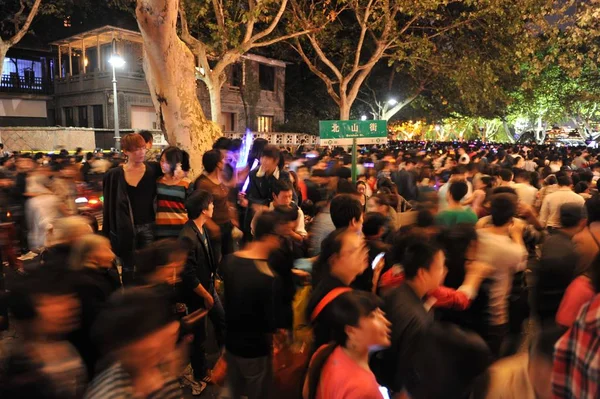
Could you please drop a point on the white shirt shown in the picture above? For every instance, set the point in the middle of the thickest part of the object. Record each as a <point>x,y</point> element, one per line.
<point>550,213</point>
<point>526,192</point>
<point>507,257</point>
<point>443,201</point>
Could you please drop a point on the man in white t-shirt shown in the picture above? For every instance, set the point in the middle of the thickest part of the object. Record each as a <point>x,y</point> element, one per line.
<point>550,212</point>
<point>526,192</point>
<point>501,245</point>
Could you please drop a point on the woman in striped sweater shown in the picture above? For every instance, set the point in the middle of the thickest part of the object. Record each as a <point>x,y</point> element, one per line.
<point>172,189</point>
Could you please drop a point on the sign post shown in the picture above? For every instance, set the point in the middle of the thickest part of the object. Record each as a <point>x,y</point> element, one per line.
<point>352,133</point>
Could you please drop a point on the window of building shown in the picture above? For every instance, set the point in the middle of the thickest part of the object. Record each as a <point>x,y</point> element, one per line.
<point>236,75</point>
<point>98,116</point>
<point>266,77</point>
<point>68,111</point>
<point>82,113</point>
<point>229,121</point>
<point>265,124</point>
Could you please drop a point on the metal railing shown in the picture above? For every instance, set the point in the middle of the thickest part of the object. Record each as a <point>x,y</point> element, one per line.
<point>25,84</point>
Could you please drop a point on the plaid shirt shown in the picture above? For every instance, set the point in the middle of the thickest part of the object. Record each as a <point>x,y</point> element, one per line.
<point>576,371</point>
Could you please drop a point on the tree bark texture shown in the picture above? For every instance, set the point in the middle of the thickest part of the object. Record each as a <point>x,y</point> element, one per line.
<point>170,72</point>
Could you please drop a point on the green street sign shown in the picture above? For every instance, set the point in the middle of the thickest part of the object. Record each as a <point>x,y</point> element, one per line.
<point>343,132</point>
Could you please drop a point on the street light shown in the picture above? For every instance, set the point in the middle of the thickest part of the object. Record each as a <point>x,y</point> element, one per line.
<point>392,102</point>
<point>117,62</point>
<point>363,118</point>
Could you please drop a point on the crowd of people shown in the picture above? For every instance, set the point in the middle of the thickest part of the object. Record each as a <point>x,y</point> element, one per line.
<point>442,270</point>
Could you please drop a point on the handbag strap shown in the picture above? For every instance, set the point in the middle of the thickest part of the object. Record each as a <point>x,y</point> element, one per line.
<point>327,299</point>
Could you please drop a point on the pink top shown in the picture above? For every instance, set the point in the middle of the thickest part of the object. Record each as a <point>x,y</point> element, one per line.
<point>342,378</point>
<point>577,294</point>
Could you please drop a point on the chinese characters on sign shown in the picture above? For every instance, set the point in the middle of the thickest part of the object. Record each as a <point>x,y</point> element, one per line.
<point>343,132</point>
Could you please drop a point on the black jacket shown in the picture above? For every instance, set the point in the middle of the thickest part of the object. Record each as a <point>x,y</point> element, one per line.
<point>260,189</point>
<point>117,224</point>
<point>200,264</point>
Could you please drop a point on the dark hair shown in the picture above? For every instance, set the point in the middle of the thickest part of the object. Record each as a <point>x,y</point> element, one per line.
<point>271,151</point>
<point>563,179</point>
<point>198,202</point>
<point>458,190</point>
<point>345,187</point>
<point>593,208</point>
<point>418,254</point>
<point>455,241</point>
<point>505,174</point>
<point>521,174</point>
<point>345,310</point>
<point>280,185</point>
<point>550,180</point>
<point>89,156</point>
<point>146,135</point>
<point>128,317</point>
<point>266,223</point>
<point>222,143</point>
<point>581,187</point>
<point>174,156</point>
<point>373,223</point>
<point>331,245</point>
<point>503,208</point>
<point>159,254</point>
<point>543,343</point>
<point>25,289</point>
<point>211,159</point>
<point>344,209</point>
<point>286,213</point>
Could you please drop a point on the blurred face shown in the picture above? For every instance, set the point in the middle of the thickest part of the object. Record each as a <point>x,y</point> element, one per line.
<point>170,272</point>
<point>209,212</point>
<point>103,256</point>
<point>149,144</point>
<point>284,198</point>
<point>353,258</point>
<point>165,166</point>
<point>303,174</point>
<point>137,155</point>
<point>373,206</point>
<point>57,314</point>
<point>361,189</point>
<point>373,332</point>
<point>434,277</point>
<point>149,352</point>
<point>268,164</point>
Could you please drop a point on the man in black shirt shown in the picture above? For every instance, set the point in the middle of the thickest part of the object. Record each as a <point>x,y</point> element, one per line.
<point>252,299</point>
<point>199,278</point>
<point>424,270</point>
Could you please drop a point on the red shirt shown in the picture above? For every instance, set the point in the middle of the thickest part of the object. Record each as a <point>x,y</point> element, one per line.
<point>577,294</point>
<point>576,369</point>
<point>342,378</point>
<point>447,298</point>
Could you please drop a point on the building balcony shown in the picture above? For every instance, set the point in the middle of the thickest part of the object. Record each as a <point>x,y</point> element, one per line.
<point>14,83</point>
<point>98,81</point>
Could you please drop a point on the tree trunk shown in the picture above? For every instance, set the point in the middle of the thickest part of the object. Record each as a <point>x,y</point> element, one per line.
<point>170,72</point>
<point>507,131</point>
<point>344,109</point>
<point>214,92</point>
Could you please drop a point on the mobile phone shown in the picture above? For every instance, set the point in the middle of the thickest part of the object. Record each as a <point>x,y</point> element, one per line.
<point>377,259</point>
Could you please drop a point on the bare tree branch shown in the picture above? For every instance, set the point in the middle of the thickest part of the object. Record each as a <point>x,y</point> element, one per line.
<point>328,82</point>
<point>23,30</point>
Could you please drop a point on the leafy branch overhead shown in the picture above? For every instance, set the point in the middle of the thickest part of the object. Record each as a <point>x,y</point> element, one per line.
<point>473,47</point>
